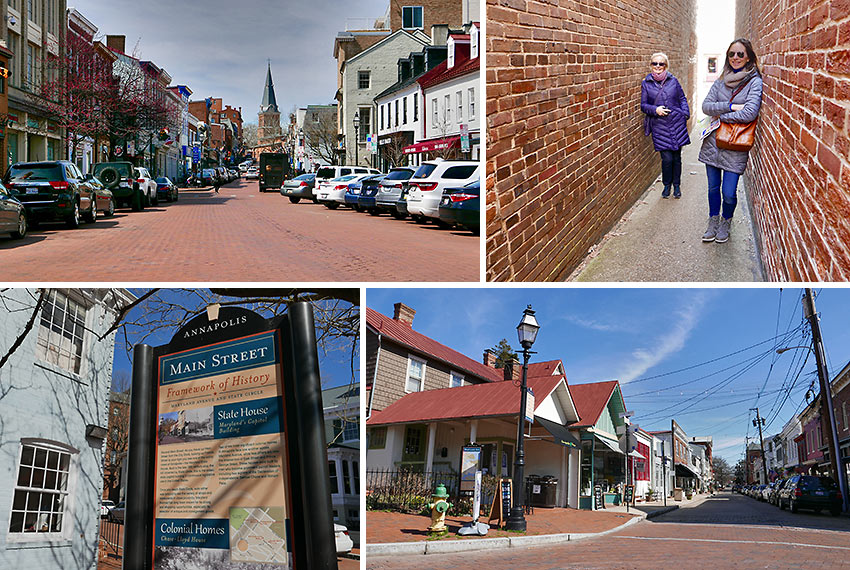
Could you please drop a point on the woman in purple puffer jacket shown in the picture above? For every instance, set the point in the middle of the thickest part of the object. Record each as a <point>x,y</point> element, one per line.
<point>663,101</point>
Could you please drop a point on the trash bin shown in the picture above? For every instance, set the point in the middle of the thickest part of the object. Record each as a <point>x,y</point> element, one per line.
<point>678,494</point>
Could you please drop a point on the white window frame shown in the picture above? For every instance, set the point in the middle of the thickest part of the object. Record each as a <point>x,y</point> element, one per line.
<point>459,96</point>
<point>410,360</point>
<point>68,514</point>
<point>471,98</point>
<point>348,430</point>
<point>452,376</point>
<point>360,75</point>
<point>413,18</point>
<point>333,476</point>
<point>436,114</point>
<point>48,347</point>
<point>447,109</point>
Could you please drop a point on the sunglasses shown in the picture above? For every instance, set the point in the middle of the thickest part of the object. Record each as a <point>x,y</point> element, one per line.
<point>737,54</point>
<point>656,64</point>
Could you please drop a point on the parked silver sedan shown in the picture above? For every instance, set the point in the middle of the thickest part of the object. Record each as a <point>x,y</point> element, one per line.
<point>299,187</point>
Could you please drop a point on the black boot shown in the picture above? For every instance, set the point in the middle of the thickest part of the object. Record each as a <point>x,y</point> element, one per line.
<point>677,192</point>
<point>666,192</point>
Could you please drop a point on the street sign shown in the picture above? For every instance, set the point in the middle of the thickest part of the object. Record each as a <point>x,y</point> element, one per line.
<point>464,137</point>
<point>470,463</point>
<point>219,414</point>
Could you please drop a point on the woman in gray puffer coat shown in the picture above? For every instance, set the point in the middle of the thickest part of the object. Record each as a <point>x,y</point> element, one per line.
<point>741,78</point>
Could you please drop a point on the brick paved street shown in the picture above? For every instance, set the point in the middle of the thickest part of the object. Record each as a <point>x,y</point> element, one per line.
<point>727,531</point>
<point>241,235</point>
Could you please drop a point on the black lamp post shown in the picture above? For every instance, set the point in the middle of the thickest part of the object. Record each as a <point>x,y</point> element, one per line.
<point>527,333</point>
<point>356,135</point>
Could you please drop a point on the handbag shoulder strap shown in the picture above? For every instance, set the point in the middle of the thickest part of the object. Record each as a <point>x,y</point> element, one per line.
<point>739,89</point>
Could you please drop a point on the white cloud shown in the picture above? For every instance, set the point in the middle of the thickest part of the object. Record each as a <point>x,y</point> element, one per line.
<point>668,343</point>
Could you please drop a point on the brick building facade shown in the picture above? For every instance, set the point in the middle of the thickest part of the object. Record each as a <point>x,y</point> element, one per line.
<point>799,179</point>
<point>567,155</point>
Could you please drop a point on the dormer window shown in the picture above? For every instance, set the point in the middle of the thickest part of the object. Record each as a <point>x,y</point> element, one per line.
<point>473,42</point>
<point>450,44</point>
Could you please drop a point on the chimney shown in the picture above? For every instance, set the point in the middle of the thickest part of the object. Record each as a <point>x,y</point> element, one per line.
<point>404,314</point>
<point>489,358</point>
<point>512,370</point>
<point>439,34</point>
<point>116,43</point>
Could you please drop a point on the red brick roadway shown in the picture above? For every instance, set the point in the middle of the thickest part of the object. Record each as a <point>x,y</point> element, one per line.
<point>240,235</point>
<point>729,531</point>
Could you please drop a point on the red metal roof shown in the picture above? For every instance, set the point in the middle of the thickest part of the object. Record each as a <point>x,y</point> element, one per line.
<point>476,401</point>
<point>405,335</point>
<point>442,73</point>
<point>590,400</point>
<point>543,368</point>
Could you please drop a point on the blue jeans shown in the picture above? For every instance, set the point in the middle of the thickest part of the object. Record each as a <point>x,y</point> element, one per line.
<point>729,186</point>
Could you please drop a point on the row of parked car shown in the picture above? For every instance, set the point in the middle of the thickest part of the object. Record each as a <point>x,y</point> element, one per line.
<point>209,176</point>
<point>444,191</point>
<point>56,190</point>
<point>797,492</point>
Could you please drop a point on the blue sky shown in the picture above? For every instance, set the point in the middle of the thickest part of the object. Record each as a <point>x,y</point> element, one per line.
<point>646,337</point>
<point>334,364</point>
<point>219,48</point>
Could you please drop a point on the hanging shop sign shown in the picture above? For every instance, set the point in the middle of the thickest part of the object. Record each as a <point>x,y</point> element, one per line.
<point>231,446</point>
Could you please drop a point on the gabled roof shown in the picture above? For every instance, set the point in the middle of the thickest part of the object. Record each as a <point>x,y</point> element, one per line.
<point>417,35</point>
<point>548,368</point>
<point>463,65</point>
<point>476,401</point>
<point>591,400</point>
<point>404,335</point>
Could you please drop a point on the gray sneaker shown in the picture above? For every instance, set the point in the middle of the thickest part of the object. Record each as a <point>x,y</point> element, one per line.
<point>711,232</point>
<point>723,231</point>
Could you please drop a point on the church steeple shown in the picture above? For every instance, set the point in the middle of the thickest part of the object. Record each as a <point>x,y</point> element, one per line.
<point>269,101</point>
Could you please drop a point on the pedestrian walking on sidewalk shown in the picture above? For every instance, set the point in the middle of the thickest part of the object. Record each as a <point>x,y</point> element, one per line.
<point>734,98</point>
<point>216,184</point>
<point>663,101</point>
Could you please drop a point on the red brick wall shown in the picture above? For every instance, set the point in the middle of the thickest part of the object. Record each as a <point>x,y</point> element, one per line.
<point>566,155</point>
<point>799,176</point>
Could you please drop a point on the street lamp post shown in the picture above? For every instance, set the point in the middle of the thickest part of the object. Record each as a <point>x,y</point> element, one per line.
<point>527,333</point>
<point>356,135</point>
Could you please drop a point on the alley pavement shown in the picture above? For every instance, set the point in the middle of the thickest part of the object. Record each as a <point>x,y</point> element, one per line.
<point>241,235</point>
<point>660,239</point>
<point>723,531</point>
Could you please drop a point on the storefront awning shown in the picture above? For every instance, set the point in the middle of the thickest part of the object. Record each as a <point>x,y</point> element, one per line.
<point>560,432</point>
<point>428,146</point>
<point>612,445</point>
<point>634,453</point>
<point>683,470</point>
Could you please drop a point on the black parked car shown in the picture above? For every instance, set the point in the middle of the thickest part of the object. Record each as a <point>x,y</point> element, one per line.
<point>810,492</point>
<point>52,190</point>
<point>369,188</point>
<point>166,189</point>
<point>13,215</point>
<point>462,206</point>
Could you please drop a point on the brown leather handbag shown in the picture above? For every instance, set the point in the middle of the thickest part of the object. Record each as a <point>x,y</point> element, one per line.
<point>736,136</point>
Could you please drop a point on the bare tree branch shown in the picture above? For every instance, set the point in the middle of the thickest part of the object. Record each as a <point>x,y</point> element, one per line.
<point>19,341</point>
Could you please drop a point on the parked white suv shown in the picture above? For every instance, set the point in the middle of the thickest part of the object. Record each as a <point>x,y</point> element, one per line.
<point>328,173</point>
<point>429,181</point>
<point>147,185</point>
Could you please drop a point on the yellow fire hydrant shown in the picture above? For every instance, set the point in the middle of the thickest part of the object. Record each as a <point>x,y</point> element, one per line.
<point>438,511</point>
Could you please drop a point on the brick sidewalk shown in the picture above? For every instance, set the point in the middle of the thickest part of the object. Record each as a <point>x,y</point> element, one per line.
<point>383,527</point>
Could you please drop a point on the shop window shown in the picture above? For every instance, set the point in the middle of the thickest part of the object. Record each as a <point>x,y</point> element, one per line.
<point>61,332</point>
<point>39,504</point>
<point>355,473</point>
<point>365,124</point>
<point>712,65</point>
<point>377,438</point>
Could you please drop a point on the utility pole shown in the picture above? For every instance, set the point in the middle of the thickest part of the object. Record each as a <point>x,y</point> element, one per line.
<point>759,421</point>
<point>664,471</point>
<point>826,408</point>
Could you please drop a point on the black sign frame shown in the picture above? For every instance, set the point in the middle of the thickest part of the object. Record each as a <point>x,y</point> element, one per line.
<point>313,542</point>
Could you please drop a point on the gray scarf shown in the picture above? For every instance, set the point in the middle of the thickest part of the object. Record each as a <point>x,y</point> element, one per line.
<point>734,80</point>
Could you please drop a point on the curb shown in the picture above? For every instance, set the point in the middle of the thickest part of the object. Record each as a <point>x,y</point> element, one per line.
<point>443,547</point>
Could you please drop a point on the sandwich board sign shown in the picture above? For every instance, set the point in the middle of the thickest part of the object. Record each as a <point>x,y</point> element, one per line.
<point>234,441</point>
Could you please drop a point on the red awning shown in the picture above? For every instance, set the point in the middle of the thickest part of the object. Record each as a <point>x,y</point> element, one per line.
<point>427,146</point>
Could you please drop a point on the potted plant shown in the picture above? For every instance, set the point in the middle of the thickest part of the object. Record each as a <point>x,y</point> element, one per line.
<point>689,494</point>
<point>650,494</point>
